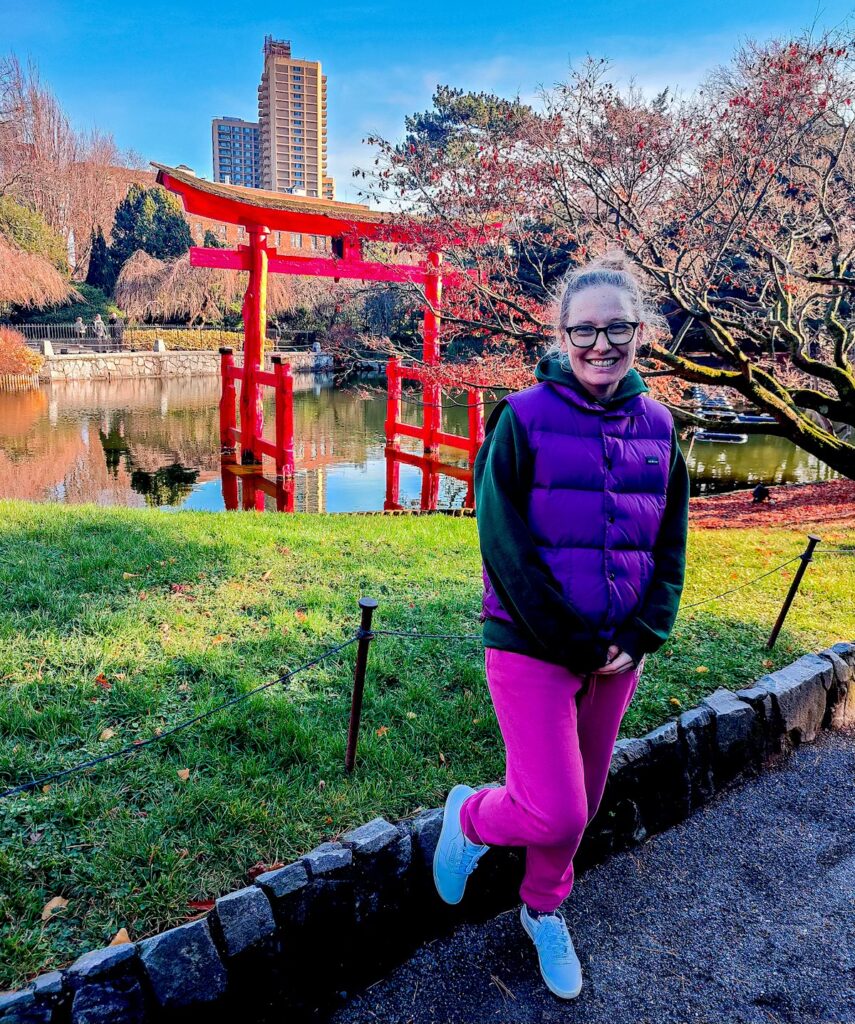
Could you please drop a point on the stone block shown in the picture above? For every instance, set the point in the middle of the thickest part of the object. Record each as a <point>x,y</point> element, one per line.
<point>22,1008</point>
<point>48,987</point>
<point>840,700</point>
<point>624,791</point>
<point>183,966</point>
<point>329,860</point>
<point>104,1002</point>
<point>284,884</point>
<point>424,830</point>
<point>768,723</point>
<point>799,696</point>
<point>735,733</point>
<point>101,964</point>
<point>243,919</point>
<point>697,733</point>
<point>663,798</point>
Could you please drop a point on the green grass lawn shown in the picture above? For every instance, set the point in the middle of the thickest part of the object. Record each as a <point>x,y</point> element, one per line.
<point>131,621</point>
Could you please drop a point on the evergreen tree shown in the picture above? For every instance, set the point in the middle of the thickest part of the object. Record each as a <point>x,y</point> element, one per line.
<point>101,273</point>
<point>212,242</point>
<point>150,219</point>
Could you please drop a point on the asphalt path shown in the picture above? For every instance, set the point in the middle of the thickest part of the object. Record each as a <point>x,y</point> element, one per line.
<point>742,914</point>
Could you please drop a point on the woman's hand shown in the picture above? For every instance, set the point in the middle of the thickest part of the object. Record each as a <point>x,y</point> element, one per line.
<point>616,661</point>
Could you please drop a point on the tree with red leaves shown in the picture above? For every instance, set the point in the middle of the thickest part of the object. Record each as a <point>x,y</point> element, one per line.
<point>737,203</point>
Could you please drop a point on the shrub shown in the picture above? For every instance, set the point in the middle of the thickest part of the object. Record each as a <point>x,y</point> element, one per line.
<point>187,339</point>
<point>15,357</point>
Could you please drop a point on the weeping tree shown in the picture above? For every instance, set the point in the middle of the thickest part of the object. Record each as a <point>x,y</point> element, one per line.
<point>150,289</point>
<point>737,204</point>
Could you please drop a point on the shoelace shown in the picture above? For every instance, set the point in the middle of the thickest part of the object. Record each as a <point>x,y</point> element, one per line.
<point>468,858</point>
<point>554,938</point>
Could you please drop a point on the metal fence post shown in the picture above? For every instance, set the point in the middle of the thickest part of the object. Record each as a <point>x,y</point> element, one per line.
<point>794,586</point>
<point>367,604</point>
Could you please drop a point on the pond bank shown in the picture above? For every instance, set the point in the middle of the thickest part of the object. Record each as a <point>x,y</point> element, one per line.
<point>130,365</point>
<point>830,503</point>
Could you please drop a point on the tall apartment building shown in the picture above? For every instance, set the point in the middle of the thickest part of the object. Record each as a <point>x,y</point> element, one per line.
<point>237,151</point>
<point>292,116</point>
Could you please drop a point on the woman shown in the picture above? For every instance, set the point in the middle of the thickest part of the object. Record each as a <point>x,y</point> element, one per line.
<point>582,496</point>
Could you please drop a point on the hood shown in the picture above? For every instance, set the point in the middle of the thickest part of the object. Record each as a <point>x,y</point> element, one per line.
<point>631,384</point>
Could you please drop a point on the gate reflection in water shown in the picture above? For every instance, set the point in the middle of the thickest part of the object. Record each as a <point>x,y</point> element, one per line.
<point>156,443</point>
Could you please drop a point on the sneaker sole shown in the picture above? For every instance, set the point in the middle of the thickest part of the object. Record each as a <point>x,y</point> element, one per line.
<point>556,991</point>
<point>446,821</point>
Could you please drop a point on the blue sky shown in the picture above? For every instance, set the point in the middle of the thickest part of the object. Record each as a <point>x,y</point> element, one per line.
<point>155,74</point>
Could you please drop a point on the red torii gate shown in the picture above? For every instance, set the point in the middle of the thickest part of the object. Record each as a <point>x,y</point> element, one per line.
<point>348,224</point>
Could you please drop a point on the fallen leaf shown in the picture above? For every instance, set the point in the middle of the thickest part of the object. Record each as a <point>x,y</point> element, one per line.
<point>219,638</point>
<point>183,687</point>
<point>46,788</point>
<point>412,714</point>
<point>261,868</point>
<point>266,575</point>
<point>674,701</point>
<point>143,594</point>
<point>184,773</point>
<point>702,668</point>
<point>768,663</point>
<point>53,907</point>
<point>300,615</point>
<point>382,730</point>
<point>203,905</point>
<point>121,937</point>
<point>328,820</point>
<point>34,837</point>
<point>178,588</point>
<point>442,757</point>
<point>102,681</point>
<point>107,734</point>
<point>130,575</point>
<point>322,784</point>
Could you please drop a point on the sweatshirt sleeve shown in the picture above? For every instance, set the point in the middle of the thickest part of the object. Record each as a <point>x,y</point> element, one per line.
<point>522,580</point>
<point>650,627</point>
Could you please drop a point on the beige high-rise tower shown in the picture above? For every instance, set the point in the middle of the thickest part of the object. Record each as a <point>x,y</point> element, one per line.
<point>292,115</point>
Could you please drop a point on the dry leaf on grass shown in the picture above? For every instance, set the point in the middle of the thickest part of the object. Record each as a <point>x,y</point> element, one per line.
<point>107,734</point>
<point>184,774</point>
<point>121,937</point>
<point>53,907</point>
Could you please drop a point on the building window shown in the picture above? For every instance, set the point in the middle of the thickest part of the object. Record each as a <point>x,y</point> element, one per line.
<point>296,241</point>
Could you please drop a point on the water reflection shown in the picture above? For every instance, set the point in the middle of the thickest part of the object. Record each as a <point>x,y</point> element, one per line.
<point>156,442</point>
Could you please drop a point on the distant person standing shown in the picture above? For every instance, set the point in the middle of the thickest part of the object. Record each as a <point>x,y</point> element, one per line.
<point>99,327</point>
<point>79,327</point>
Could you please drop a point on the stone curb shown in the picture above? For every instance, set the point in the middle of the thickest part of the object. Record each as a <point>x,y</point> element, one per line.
<point>348,911</point>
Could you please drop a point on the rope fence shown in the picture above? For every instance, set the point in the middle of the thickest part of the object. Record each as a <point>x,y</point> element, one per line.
<point>363,637</point>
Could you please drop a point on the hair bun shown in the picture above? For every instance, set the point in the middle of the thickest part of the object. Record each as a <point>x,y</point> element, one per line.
<point>613,259</point>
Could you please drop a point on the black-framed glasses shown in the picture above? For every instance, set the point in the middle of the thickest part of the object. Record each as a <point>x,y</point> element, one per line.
<point>621,332</point>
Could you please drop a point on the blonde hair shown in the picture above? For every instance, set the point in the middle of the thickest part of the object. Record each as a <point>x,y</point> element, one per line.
<point>613,268</point>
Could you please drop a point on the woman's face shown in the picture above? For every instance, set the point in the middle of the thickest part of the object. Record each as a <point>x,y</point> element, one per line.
<point>601,368</point>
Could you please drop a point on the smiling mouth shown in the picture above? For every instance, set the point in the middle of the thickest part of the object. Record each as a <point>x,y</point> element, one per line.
<point>603,363</point>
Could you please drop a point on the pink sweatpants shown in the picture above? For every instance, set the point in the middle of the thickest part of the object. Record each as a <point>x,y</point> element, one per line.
<point>558,744</point>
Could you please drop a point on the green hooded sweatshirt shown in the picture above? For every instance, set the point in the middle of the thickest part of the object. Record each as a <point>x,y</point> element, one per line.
<point>546,625</point>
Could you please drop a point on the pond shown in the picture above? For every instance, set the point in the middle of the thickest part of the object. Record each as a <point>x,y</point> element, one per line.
<point>156,442</point>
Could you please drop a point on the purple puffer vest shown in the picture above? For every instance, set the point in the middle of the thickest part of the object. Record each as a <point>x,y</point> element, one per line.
<point>596,499</point>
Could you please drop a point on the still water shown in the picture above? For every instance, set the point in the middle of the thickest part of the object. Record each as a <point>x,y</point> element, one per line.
<point>156,443</point>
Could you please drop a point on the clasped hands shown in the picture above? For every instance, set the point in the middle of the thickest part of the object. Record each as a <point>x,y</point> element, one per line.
<point>616,661</point>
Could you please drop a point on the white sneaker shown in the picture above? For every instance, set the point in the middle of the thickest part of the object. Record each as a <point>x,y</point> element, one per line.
<point>455,857</point>
<point>559,964</point>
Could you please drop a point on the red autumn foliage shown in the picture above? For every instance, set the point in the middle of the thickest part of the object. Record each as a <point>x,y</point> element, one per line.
<point>795,505</point>
<point>738,218</point>
<point>15,357</point>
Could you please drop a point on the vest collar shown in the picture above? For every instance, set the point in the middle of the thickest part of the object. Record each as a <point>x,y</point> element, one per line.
<point>626,401</point>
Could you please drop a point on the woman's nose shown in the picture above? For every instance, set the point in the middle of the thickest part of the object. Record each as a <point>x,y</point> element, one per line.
<point>603,344</point>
